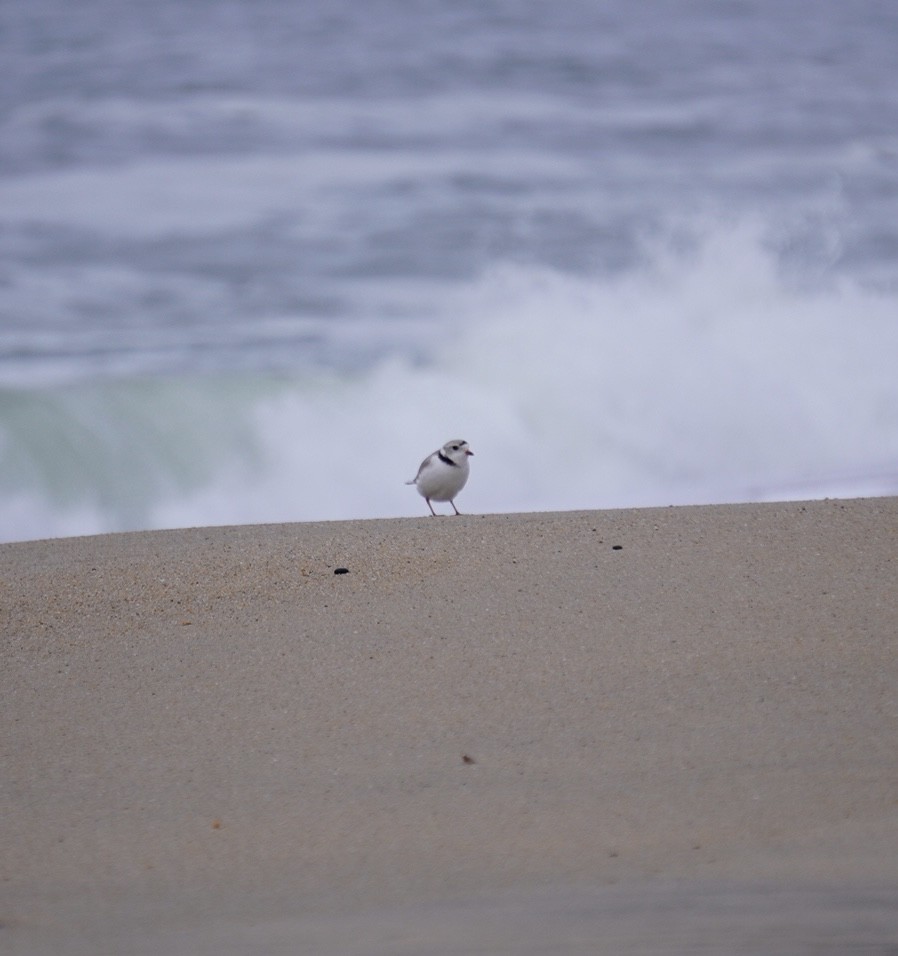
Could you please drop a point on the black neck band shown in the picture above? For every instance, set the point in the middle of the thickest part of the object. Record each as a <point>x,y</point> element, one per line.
<point>446,459</point>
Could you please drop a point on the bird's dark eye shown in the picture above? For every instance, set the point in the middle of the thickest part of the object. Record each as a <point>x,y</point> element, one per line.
<point>455,447</point>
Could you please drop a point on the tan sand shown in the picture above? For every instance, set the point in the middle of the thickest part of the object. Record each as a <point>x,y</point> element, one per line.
<point>506,733</point>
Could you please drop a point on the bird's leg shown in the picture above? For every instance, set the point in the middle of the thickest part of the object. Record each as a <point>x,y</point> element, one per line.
<point>454,508</point>
<point>429,505</point>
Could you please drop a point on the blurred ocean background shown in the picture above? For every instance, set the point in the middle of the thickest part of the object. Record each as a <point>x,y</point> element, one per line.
<point>260,257</point>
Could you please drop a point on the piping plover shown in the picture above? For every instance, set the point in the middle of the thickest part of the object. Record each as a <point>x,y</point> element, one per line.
<point>443,474</point>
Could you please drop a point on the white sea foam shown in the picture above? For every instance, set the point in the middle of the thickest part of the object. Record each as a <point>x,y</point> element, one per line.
<point>704,376</point>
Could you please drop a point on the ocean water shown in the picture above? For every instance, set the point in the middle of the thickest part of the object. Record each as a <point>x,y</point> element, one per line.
<point>259,258</point>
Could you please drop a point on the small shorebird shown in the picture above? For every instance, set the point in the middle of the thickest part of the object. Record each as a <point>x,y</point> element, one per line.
<point>443,474</point>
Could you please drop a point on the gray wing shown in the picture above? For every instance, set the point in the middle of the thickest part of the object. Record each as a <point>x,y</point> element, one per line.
<point>422,467</point>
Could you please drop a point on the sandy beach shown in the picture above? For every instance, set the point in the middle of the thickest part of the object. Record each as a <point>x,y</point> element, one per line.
<point>636,731</point>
